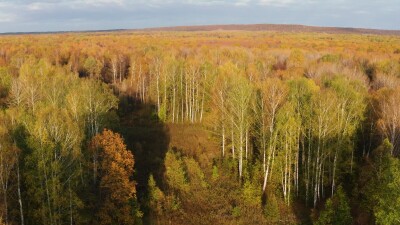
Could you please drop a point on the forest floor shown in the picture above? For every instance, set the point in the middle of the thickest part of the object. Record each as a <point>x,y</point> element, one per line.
<point>150,139</point>
<point>195,141</point>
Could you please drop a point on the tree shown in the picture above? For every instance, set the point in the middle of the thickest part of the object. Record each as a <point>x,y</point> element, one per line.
<point>52,163</point>
<point>388,209</point>
<point>155,199</point>
<point>237,105</point>
<point>271,209</point>
<point>302,93</point>
<point>273,94</point>
<point>337,210</point>
<point>53,166</point>
<point>8,161</point>
<point>322,129</point>
<point>220,95</point>
<point>384,188</point>
<point>389,112</point>
<point>351,107</point>
<point>92,66</point>
<point>117,189</point>
<point>174,172</point>
<point>97,101</point>
<point>288,133</point>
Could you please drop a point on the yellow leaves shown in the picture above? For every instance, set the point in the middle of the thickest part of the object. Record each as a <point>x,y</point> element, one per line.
<point>3,124</point>
<point>230,70</point>
<point>296,59</point>
<point>195,173</point>
<point>274,92</point>
<point>251,194</point>
<point>388,110</point>
<point>301,86</point>
<point>175,173</point>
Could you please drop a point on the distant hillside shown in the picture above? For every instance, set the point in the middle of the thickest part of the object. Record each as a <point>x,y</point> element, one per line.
<point>237,27</point>
<point>277,27</point>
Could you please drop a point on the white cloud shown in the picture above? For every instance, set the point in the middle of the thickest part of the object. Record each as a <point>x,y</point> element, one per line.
<point>361,12</point>
<point>37,6</point>
<point>277,2</point>
<point>289,3</point>
<point>7,17</point>
<point>102,2</point>
<point>242,2</point>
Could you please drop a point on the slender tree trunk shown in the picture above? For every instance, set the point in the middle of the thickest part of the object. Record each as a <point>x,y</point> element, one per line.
<point>286,167</point>
<point>247,143</point>
<point>94,169</point>
<point>187,98</point>
<point>202,108</point>
<point>223,140</point>
<point>19,196</point>
<point>114,70</point>
<point>138,85</point>
<point>263,135</point>
<point>70,203</point>
<point>181,96</point>
<point>233,142</point>
<point>46,183</point>
<point>173,103</point>
<point>3,179</point>
<point>5,205</point>
<point>165,95</point>
<point>158,93</point>
<point>334,172</point>
<point>241,153</point>
<point>351,161</point>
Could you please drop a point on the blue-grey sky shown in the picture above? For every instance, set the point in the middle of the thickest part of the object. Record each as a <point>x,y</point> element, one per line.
<point>65,15</point>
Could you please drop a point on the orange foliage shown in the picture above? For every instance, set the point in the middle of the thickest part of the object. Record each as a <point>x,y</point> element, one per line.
<point>117,190</point>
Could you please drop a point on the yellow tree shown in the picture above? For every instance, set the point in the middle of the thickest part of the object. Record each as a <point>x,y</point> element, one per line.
<point>273,93</point>
<point>389,116</point>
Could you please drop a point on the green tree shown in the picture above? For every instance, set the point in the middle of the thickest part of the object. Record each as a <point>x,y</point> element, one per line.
<point>271,209</point>
<point>175,173</point>
<point>155,199</point>
<point>336,211</point>
<point>386,186</point>
<point>9,155</point>
<point>92,66</point>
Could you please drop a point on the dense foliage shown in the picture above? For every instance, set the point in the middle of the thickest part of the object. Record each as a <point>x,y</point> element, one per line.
<point>200,128</point>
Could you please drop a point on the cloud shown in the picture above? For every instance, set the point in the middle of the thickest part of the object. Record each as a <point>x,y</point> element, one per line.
<point>291,3</point>
<point>7,17</point>
<point>242,2</point>
<point>101,2</point>
<point>51,15</point>
<point>277,2</point>
<point>38,6</point>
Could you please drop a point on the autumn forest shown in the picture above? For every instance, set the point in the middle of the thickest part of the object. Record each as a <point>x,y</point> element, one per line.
<point>206,127</point>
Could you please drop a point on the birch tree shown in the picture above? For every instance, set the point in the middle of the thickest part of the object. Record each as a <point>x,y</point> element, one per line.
<point>389,112</point>
<point>272,95</point>
<point>239,99</point>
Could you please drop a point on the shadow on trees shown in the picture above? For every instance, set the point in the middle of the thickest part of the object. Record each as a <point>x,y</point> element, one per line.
<point>148,138</point>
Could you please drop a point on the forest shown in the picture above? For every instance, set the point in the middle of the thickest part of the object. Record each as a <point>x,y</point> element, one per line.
<point>206,127</point>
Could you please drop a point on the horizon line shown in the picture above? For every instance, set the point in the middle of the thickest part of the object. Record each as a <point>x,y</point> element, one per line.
<point>219,27</point>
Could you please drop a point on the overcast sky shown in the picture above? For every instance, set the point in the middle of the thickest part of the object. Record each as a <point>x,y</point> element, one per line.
<point>65,15</point>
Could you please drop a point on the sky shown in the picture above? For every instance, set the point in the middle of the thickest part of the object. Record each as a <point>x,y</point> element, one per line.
<point>75,15</point>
